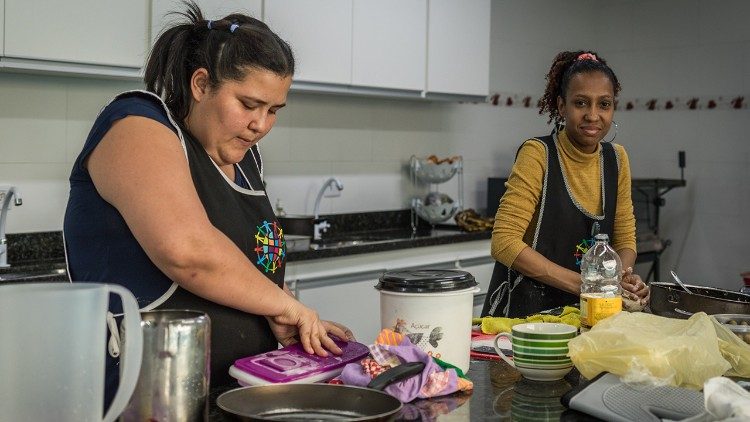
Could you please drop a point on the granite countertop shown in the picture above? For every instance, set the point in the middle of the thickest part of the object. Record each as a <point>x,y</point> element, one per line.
<point>41,256</point>
<point>500,393</point>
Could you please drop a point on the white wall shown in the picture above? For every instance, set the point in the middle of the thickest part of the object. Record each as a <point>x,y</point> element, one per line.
<point>367,142</point>
<point>683,49</point>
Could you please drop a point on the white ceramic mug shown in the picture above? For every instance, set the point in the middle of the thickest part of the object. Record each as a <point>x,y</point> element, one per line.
<point>540,349</point>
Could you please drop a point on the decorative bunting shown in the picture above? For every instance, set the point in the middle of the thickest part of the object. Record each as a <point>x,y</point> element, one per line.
<point>738,102</point>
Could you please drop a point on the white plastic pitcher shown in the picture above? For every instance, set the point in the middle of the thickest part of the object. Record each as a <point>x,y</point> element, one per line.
<point>52,351</point>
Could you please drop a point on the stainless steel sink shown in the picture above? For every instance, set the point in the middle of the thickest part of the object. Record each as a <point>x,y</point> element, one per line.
<point>363,239</point>
<point>57,274</point>
<point>377,237</point>
<point>349,243</point>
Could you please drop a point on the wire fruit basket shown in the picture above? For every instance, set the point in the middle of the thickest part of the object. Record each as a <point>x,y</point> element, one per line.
<point>434,213</point>
<point>436,207</point>
<point>429,170</point>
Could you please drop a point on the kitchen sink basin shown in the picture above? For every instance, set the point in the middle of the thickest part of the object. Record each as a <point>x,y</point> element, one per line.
<point>345,243</point>
<point>374,238</point>
<point>57,274</point>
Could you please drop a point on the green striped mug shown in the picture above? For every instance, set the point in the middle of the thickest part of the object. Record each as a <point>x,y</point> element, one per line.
<point>540,349</point>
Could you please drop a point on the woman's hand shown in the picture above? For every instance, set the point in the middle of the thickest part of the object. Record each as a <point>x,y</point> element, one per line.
<point>634,290</point>
<point>287,334</point>
<point>300,323</point>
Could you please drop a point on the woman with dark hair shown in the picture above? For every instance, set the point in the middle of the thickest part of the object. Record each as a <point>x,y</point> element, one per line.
<point>563,190</point>
<point>167,196</point>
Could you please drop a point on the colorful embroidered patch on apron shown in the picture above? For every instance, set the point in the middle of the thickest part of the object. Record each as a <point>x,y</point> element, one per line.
<point>270,246</point>
<point>581,249</point>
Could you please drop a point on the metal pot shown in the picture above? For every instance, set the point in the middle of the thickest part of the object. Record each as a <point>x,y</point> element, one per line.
<point>297,224</point>
<point>670,300</point>
<point>318,401</point>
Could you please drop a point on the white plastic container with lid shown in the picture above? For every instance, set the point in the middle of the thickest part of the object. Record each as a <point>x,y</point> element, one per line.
<point>601,272</point>
<point>433,308</point>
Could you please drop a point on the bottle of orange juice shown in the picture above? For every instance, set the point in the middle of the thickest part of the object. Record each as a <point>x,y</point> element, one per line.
<point>601,273</point>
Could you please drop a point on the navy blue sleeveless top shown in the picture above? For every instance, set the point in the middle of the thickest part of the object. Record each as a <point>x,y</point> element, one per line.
<point>101,248</point>
<point>99,245</point>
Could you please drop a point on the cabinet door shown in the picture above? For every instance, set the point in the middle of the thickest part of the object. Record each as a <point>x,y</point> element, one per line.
<point>481,269</point>
<point>353,302</point>
<point>2,29</point>
<point>320,33</point>
<point>458,47</point>
<point>102,32</point>
<point>389,43</point>
<point>212,9</point>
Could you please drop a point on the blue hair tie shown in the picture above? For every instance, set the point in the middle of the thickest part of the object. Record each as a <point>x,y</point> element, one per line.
<point>233,27</point>
<point>209,25</point>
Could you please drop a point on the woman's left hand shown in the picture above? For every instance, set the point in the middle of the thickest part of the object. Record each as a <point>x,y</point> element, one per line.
<point>287,334</point>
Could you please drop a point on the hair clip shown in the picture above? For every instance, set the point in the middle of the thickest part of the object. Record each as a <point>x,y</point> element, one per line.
<point>587,56</point>
<point>209,25</point>
<point>233,27</point>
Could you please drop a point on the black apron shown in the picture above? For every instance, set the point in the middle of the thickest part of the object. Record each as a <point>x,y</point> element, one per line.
<point>563,233</point>
<point>247,218</point>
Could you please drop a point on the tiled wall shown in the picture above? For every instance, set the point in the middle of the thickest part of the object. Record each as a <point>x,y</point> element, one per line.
<point>658,48</point>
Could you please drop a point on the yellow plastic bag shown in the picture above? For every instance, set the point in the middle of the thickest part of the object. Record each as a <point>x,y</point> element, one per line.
<point>645,348</point>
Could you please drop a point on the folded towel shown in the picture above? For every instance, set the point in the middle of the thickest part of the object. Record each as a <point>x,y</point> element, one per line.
<point>493,325</point>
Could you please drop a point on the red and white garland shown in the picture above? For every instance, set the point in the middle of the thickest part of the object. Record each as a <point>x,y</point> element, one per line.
<point>738,102</point>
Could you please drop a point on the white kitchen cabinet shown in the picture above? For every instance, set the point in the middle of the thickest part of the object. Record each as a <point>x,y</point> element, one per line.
<point>458,47</point>
<point>342,289</point>
<point>2,24</point>
<point>350,300</point>
<point>389,44</point>
<point>481,269</point>
<point>320,33</point>
<point>212,9</point>
<point>92,32</point>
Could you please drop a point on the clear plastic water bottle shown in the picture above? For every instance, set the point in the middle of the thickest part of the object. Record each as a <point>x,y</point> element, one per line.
<point>601,273</point>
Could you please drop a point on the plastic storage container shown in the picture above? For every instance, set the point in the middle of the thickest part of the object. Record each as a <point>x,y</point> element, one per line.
<point>601,272</point>
<point>292,364</point>
<point>432,308</point>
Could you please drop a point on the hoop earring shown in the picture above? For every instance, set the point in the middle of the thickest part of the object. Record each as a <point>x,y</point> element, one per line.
<point>559,126</point>
<point>615,134</point>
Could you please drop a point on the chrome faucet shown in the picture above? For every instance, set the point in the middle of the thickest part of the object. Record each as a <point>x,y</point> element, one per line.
<point>6,193</point>
<point>321,226</point>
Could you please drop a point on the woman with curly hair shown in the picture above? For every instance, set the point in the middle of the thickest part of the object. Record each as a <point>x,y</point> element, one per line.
<point>563,190</point>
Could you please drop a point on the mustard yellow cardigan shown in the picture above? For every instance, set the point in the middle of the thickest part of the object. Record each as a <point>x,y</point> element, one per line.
<point>519,207</point>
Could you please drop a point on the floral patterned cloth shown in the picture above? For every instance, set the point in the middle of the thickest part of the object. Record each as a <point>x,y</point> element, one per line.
<point>396,349</point>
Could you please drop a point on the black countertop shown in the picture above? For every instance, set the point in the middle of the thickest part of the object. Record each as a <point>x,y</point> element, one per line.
<point>385,240</point>
<point>500,393</point>
<point>40,256</point>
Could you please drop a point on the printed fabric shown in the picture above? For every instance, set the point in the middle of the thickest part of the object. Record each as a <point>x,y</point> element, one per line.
<point>432,382</point>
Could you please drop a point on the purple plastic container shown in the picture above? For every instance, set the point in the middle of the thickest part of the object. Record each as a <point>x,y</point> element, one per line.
<point>292,364</point>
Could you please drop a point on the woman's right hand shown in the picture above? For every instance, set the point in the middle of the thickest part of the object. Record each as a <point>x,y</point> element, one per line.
<point>312,332</point>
